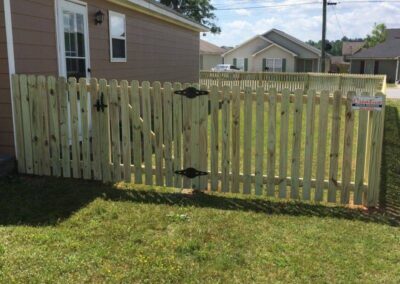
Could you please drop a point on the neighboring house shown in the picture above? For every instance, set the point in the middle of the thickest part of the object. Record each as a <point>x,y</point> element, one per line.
<point>210,55</point>
<point>338,65</point>
<point>275,51</point>
<point>383,58</point>
<point>350,47</point>
<point>136,39</point>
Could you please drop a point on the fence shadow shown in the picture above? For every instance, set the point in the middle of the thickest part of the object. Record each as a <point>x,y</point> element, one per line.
<point>36,201</point>
<point>389,198</point>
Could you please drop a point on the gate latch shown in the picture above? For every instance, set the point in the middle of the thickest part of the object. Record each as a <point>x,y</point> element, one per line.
<point>191,92</point>
<point>100,103</point>
<point>191,173</point>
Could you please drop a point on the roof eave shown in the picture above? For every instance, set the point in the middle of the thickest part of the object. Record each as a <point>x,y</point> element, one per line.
<point>247,41</point>
<point>163,13</point>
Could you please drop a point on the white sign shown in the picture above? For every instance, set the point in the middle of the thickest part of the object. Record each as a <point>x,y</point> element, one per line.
<point>367,103</point>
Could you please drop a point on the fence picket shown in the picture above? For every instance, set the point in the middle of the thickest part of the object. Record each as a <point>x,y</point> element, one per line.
<point>297,128</point>
<point>54,126</point>
<point>62,92</point>
<point>347,149</point>
<point>225,166</point>
<point>147,141</point>
<point>271,143</point>
<point>203,138</point>
<point>235,139</point>
<point>44,125</point>
<point>126,130</point>
<point>187,135</point>
<point>96,130</point>
<point>35,123</point>
<point>158,130</point>
<point>214,137</point>
<point>104,126</point>
<point>137,131</point>
<point>248,125</point>
<point>26,121</point>
<point>378,118</point>
<point>177,133</point>
<point>321,147</point>
<point>115,131</point>
<point>19,130</point>
<point>84,100</point>
<point>73,100</point>
<point>334,152</point>
<point>283,153</point>
<point>168,111</point>
<point>259,155</point>
<point>361,156</point>
<point>309,144</point>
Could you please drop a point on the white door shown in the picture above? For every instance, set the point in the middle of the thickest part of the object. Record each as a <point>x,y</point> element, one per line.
<point>73,39</point>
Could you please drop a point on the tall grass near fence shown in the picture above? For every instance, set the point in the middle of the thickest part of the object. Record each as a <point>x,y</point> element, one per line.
<point>301,145</point>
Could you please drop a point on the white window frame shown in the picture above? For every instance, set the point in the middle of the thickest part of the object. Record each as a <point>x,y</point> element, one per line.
<point>237,63</point>
<point>274,64</point>
<point>112,59</point>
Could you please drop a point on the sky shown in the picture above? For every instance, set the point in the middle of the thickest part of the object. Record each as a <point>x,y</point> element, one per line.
<point>299,19</point>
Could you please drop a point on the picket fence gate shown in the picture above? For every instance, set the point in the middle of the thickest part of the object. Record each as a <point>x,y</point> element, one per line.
<point>217,139</point>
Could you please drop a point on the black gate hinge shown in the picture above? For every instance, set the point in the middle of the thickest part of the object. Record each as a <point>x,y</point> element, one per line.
<point>191,92</point>
<point>191,173</point>
<point>100,103</point>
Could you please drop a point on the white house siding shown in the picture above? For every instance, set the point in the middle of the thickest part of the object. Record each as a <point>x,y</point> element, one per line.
<point>273,52</point>
<point>208,61</point>
<point>246,51</point>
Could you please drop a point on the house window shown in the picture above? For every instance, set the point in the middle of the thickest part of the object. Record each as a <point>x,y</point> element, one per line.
<point>240,63</point>
<point>274,64</point>
<point>117,37</point>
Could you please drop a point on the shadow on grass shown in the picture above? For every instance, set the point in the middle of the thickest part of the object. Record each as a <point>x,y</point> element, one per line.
<point>36,201</point>
<point>389,199</point>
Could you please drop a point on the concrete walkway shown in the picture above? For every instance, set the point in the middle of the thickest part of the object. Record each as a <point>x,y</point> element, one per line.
<point>393,93</point>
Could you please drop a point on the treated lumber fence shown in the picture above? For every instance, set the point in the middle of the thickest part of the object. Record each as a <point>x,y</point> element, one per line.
<point>292,81</point>
<point>301,145</point>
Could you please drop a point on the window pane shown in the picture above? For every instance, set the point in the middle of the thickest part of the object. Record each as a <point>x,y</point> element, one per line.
<point>117,26</point>
<point>270,65</point>
<point>76,68</point>
<point>278,63</point>
<point>74,34</point>
<point>118,48</point>
<point>240,63</point>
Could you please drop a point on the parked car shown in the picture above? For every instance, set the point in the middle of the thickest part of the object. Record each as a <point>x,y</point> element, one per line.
<point>225,68</point>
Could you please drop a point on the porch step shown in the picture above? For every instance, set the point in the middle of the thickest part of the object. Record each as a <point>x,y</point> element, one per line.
<point>7,165</point>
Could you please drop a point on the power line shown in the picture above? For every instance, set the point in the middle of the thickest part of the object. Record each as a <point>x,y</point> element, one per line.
<point>337,20</point>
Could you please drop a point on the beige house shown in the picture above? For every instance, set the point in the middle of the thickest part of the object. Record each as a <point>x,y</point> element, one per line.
<point>275,51</point>
<point>210,55</point>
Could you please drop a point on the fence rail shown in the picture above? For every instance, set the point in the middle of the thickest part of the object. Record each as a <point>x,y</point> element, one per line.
<point>292,81</point>
<point>304,144</point>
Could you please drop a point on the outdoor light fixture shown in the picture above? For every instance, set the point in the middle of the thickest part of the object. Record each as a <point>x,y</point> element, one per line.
<point>99,17</point>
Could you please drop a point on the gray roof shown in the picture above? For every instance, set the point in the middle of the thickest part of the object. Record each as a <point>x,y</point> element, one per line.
<point>388,49</point>
<point>209,48</point>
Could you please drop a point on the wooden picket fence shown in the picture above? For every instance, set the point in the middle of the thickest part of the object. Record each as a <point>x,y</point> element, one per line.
<point>293,81</point>
<point>301,145</point>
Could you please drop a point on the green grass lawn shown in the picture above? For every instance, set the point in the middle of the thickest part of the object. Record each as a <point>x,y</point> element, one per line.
<point>64,231</point>
<point>69,231</point>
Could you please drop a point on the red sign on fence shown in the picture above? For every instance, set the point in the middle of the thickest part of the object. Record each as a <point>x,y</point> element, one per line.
<point>367,103</point>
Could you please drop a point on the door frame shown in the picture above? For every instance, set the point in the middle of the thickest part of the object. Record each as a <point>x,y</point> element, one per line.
<point>60,38</point>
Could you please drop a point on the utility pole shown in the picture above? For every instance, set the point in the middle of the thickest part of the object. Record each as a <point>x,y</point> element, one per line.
<point>324,4</point>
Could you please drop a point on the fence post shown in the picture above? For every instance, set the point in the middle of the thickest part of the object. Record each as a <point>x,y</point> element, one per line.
<point>374,174</point>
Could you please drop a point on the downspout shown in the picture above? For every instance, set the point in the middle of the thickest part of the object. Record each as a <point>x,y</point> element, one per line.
<point>397,70</point>
<point>11,59</point>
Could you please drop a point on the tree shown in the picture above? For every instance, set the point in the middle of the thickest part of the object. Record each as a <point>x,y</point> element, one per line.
<point>377,35</point>
<point>199,10</point>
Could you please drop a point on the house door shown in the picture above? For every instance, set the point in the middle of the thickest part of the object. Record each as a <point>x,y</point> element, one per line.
<point>73,38</point>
